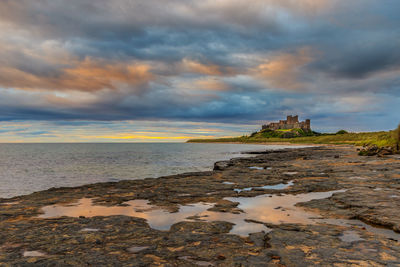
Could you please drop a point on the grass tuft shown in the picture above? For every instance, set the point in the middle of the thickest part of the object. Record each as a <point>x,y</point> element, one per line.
<point>397,138</point>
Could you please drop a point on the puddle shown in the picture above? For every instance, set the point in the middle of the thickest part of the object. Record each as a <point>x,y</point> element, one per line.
<point>136,249</point>
<point>256,168</point>
<point>228,183</point>
<point>33,253</point>
<point>90,230</point>
<point>237,190</point>
<point>350,236</point>
<point>273,187</point>
<point>276,209</point>
<point>9,203</point>
<point>277,186</point>
<point>156,217</point>
<point>273,209</point>
<point>290,173</point>
<point>261,208</point>
<point>356,224</point>
<point>196,262</point>
<point>358,178</point>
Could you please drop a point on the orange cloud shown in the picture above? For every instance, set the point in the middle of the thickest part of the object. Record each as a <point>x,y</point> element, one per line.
<point>206,69</point>
<point>283,70</point>
<point>210,84</point>
<point>91,76</point>
<point>87,75</point>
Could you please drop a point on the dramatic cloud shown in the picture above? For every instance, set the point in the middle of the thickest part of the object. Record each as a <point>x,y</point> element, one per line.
<point>211,69</point>
<point>86,75</point>
<point>231,61</point>
<point>284,70</point>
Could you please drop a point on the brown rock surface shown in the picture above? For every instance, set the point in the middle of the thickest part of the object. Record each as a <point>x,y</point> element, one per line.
<point>372,195</point>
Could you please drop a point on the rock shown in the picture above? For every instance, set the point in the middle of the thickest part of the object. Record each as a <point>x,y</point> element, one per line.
<point>385,151</point>
<point>221,165</point>
<point>375,151</point>
<point>224,205</point>
<point>221,257</point>
<point>215,227</point>
<point>259,239</point>
<point>368,151</point>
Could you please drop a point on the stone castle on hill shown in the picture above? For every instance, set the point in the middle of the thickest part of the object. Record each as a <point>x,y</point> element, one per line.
<point>291,122</point>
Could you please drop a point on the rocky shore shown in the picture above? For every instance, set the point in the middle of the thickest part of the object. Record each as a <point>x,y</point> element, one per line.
<point>331,208</point>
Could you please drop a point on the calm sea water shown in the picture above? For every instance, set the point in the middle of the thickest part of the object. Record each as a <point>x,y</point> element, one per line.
<point>26,168</point>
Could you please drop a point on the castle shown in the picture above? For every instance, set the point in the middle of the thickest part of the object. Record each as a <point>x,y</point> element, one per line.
<point>291,122</point>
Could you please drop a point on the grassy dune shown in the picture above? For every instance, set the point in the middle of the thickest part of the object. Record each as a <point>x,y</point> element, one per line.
<point>380,139</point>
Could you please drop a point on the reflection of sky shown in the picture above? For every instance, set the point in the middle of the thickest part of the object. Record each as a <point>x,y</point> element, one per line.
<point>265,208</point>
<point>156,217</point>
<point>273,187</point>
<point>113,62</point>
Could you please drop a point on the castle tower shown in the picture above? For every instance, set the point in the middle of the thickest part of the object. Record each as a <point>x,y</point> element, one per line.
<point>292,119</point>
<point>308,124</point>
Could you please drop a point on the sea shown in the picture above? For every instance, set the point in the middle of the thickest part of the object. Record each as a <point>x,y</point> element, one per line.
<point>26,168</point>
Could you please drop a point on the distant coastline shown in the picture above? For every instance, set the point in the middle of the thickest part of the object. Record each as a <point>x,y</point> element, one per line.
<point>380,139</point>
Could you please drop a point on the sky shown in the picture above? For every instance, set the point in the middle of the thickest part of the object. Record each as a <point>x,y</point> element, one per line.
<point>168,71</point>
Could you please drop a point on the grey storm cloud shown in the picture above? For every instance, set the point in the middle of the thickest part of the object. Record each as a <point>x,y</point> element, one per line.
<point>361,58</point>
<point>222,60</point>
<point>122,18</point>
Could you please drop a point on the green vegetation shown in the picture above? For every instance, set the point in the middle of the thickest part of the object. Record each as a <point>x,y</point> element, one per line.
<point>380,139</point>
<point>397,138</point>
<point>282,133</point>
<point>342,132</point>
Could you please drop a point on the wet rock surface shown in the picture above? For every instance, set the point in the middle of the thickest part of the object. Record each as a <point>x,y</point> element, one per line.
<point>371,194</point>
<point>375,150</point>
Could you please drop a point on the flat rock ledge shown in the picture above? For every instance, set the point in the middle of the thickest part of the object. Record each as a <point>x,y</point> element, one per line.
<point>372,196</point>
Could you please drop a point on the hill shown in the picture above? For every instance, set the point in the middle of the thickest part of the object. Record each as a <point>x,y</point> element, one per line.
<point>298,136</point>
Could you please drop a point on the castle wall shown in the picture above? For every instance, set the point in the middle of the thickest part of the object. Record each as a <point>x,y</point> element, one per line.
<point>291,122</point>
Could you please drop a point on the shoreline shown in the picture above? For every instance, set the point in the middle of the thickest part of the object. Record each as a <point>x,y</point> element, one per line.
<point>274,143</point>
<point>225,155</point>
<point>372,187</point>
<point>239,156</point>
